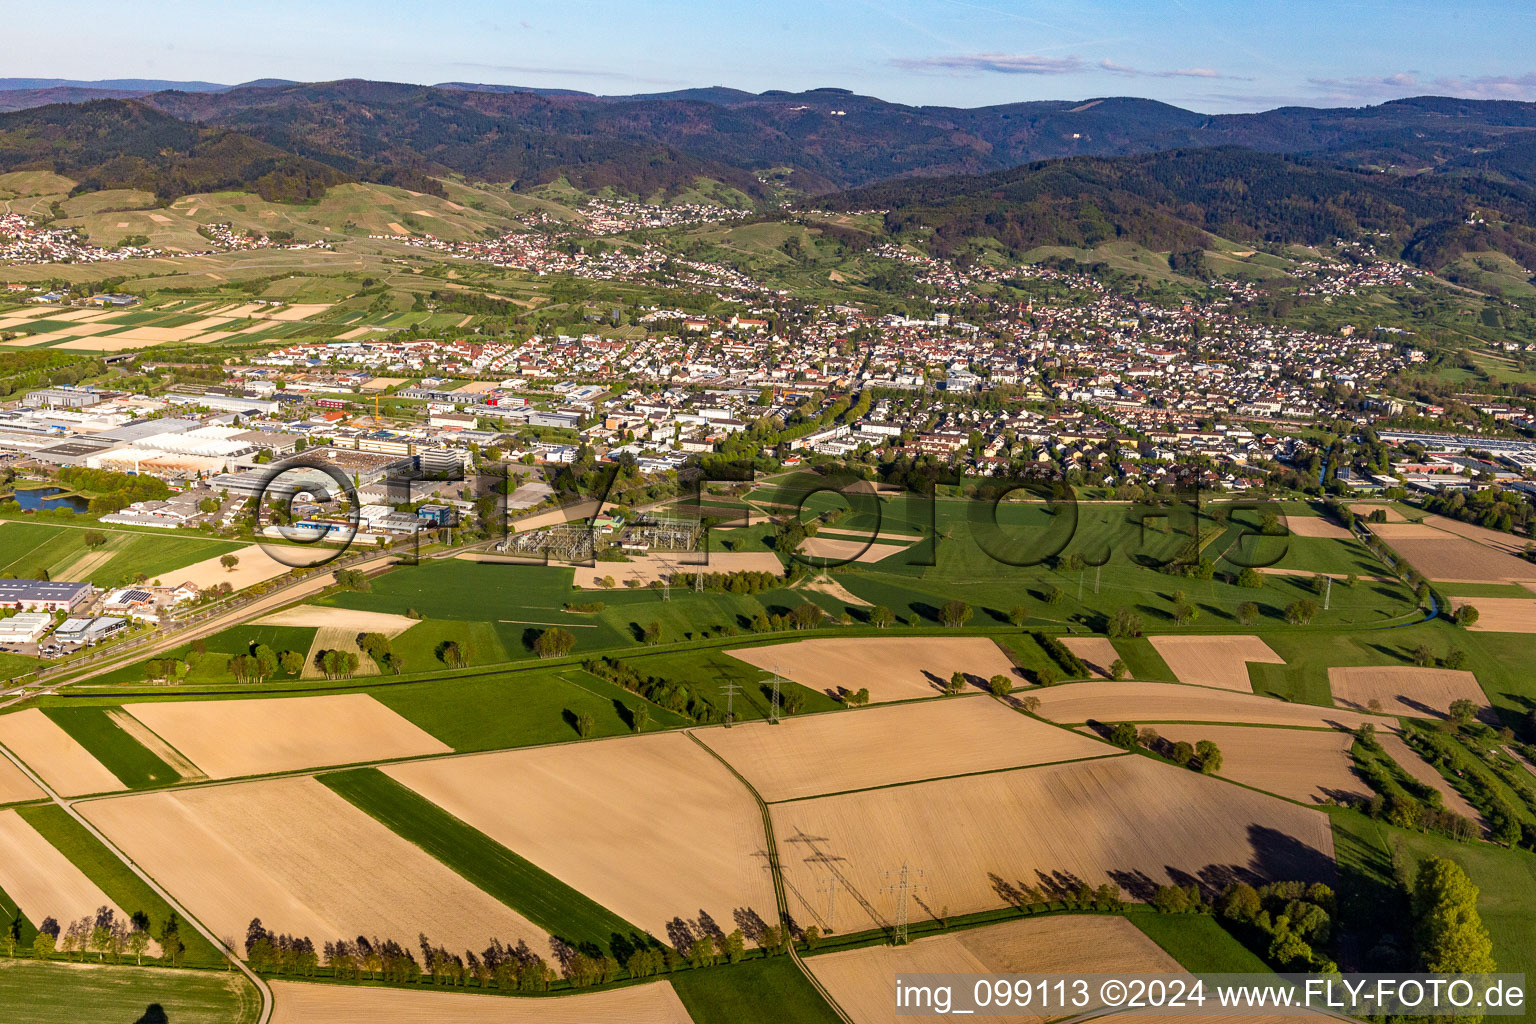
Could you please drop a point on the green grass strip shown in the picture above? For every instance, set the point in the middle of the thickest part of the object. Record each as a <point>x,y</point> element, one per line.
<point>1199,943</point>
<point>539,896</point>
<point>113,877</point>
<point>757,991</point>
<point>121,754</point>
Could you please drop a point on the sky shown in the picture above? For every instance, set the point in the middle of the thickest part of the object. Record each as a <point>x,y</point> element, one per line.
<point>1207,55</point>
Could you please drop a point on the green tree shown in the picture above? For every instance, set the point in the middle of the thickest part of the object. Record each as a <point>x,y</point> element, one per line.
<point>1125,623</point>
<point>1463,711</point>
<point>880,616</point>
<point>955,614</point>
<point>1466,616</point>
<point>585,723</point>
<point>1183,752</point>
<point>1210,757</point>
<point>1118,669</point>
<point>1448,930</point>
<point>1301,612</point>
<point>956,682</point>
<point>999,685</point>
<point>229,561</point>
<point>1018,615</point>
<point>1248,613</point>
<point>554,642</point>
<point>1124,735</point>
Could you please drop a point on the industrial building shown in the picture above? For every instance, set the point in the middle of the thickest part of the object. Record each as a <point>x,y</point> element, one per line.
<point>43,595</point>
<point>24,627</point>
<point>88,631</point>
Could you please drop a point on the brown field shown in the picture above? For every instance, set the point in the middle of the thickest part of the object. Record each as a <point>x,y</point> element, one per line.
<point>898,668</point>
<point>840,549</point>
<point>322,617</point>
<point>860,979</point>
<point>837,752</point>
<point>256,566</point>
<point>305,861</point>
<point>645,568</point>
<point>380,383</point>
<point>825,583</point>
<point>1219,661</point>
<point>1409,761</point>
<point>231,738</point>
<point>1496,539</point>
<point>1501,614</point>
<point>1175,702</point>
<point>54,755</point>
<point>1310,766</point>
<point>41,880</point>
<point>1404,689</point>
<point>652,827</point>
<point>1097,652</point>
<point>1315,526</point>
<point>1129,820</point>
<point>300,310</point>
<point>15,787</point>
<point>1445,556</point>
<point>299,1003</point>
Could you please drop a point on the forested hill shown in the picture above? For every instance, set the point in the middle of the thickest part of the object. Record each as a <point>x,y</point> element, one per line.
<point>831,138</point>
<point>1176,200</point>
<point>401,134</point>
<point>110,143</point>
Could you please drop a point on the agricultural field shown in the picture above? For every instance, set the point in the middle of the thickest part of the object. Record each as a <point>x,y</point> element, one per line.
<point>895,668</point>
<point>1451,557</point>
<point>1169,702</point>
<point>654,827</point>
<point>1025,557</point>
<point>232,738</point>
<point>28,549</point>
<point>860,979</point>
<point>41,880</point>
<point>1217,661</point>
<point>1501,614</point>
<point>65,993</point>
<point>1098,653</point>
<point>1126,820</point>
<point>1404,689</point>
<point>1306,765</point>
<point>820,754</point>
<point>15,787</point>
<point>305,861</point>
<point>55,755</point>
<point>308,1003</point>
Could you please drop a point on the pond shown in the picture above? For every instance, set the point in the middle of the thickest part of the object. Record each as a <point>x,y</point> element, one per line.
<point>37,498</point>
